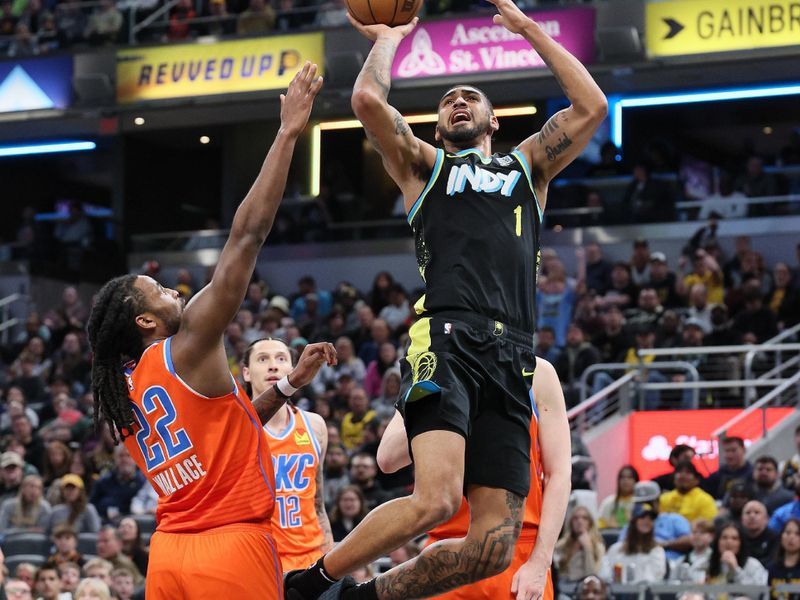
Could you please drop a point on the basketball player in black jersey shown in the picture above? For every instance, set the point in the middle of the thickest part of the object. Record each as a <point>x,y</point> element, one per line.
<point>468,374</point>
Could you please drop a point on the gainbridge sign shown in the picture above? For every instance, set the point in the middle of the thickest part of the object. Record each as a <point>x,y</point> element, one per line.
<point>191,70</point>
<point>679,27</point>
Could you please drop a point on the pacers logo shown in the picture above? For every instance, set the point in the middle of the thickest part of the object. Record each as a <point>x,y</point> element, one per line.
<point>424,366</point>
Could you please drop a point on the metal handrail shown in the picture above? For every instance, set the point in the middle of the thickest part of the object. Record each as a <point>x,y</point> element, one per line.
<point>750,356</point>
<point>11,298</point>
<point>743,199</point>
<point>151,18</point>
<point>585,405</point>
<point>7,322</point>
<point>638,368</point>
<point>786,384</point>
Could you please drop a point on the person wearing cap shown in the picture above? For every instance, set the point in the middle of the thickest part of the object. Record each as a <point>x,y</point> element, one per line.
<point>688,499</point>
<point>641,557</point>
<point>705,270</point>
<point>66,542</point>
<point>671,530</point>
<point>11,467</point>
<point>663,281</point>
<point>640,262</point>
<point>74,510</point>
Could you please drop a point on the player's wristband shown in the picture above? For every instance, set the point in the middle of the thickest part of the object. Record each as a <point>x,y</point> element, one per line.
<point>284,388</point>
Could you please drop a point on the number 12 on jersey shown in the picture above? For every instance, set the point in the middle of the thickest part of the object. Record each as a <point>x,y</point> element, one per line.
<point>518,215</point>
<point>289,511</point>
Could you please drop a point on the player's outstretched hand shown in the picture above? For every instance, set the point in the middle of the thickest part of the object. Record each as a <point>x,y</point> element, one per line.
<point>296,103</point>
<point>373,32</point>
<point>529,582</point>
<point>510,17</point>
<point>311,361</point>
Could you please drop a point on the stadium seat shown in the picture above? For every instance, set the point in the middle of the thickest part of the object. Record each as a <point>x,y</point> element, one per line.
<point>610,536</point>
<point>13,561</point>
<point>26,543</point>
<point>87,543</point>
<point>147,523</point>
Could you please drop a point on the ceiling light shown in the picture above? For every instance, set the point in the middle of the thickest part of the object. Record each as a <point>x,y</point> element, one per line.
<point>138,121</point>
<point>204,139</point>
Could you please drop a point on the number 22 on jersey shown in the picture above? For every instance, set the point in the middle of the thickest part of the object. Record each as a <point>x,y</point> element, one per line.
<point>169,442</point>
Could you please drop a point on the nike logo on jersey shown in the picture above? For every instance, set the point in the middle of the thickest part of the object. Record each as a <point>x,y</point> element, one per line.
<point>527,373</point>
<point>481,180</point>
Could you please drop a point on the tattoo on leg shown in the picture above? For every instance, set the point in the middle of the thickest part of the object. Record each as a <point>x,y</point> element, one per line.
<point>451,564</point>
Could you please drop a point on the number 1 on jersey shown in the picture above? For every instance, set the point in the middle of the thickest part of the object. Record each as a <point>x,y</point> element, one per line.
<point>518,214</point>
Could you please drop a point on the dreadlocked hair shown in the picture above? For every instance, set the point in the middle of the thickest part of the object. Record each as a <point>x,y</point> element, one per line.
<point>115,340</point>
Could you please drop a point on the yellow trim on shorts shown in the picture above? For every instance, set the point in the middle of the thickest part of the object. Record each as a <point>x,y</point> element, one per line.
<point>420,334</point>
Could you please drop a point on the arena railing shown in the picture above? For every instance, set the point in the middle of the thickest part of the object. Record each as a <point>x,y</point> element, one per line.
<point>8,322</point>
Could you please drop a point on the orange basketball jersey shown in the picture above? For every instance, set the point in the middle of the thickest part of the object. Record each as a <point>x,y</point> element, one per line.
<point>295,457</point>
<point>208,458</point>
<point>457,526</point>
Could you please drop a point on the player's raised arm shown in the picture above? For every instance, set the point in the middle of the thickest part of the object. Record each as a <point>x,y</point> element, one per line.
<point>407,159</point>
<point>567,132</point>
<point>213,308</point>
<point>554,441</point>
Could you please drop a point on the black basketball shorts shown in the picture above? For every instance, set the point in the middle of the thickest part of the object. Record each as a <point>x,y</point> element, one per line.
<point>472,375</point>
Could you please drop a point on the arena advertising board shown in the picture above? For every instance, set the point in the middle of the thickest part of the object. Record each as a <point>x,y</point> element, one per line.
<point>677,27</point>
<point>191,70</point>
<point>654,433</point>
<point>35,84</point>
<point>453,47</point>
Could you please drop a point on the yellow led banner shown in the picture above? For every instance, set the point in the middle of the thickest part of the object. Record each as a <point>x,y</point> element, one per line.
<point>190,70</point>
<point>676,27</point>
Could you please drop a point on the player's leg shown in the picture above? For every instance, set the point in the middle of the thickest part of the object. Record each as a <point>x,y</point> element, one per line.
<point>439,472</point>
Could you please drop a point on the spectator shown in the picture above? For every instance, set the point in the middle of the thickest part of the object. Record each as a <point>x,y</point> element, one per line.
<point>768,486</point>
<point>12,473</point>
<point>641,557</point>
<point>755,318</point>
<point>333,328</point>
<point>592,588</point>
<point>622,292</point>
<point>24,43</point>
<point>92,589</point>
<point>132,545</point>
<point>598,269</point>
<point>180,20</point>
<point>336,475</point>
<point>680,453</point>
<point>363,470</point>
<point>699,309</point>
<point>640,262</point>
<point>734,501</point>
<point>790,510</point>
<point>348,511</point>
<point>785,568</point>
<point>705,270</point>
<point>8,21</point>
<point>222,25</point>
<point>383,405</point>
<point>784,299</point>
<point>615,510</point>
<point>356,419</point>
<point>26,572</point>
<point>692,568</point>
<point>331,14</point>
<point>647,200</point>
<point>577,356</point>
<point>122,583</point>
<point>387,359</point>
<point>663,281</point>
<point>671,530</point>
<point>103,28</point>
<point>145,502</point>
<point>66,542</point>
<point>71,23</point>
<point>729,562</point>
<point>29,511</point>
<point>72,309</point>
<point>760,540</point>
<point>580,550</point>
<point>613,341</point>
<point>555,301</point>
<point>48,584</point>
<point>57,461</point>
<point>397,313</point>
<point>16,589</point>
<point>669,334</point>
<point>755,182</point>
<point>792,466</point>
<point>647,313</point>
<point>722,333</point>
<point>113,492</point>
<point>379,294</point>
<point>688,499</point>
<point>98,568</point>
<point>74,511</point>
<point>109,548</point>
<point>70,576</point>
<point>735,468</point>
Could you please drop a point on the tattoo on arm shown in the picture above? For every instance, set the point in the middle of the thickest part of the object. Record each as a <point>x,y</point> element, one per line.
<point>556,75</point>
<point>378,67</point>
<point>553,137</point>
<point>400,125</point>
<point>322,514</point>
<point>267,404</point>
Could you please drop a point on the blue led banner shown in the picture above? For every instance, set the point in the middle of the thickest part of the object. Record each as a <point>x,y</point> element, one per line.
<point>35,84</point>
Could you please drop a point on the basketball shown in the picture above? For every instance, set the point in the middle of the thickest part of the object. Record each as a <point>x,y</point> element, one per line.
<point>386,12</point>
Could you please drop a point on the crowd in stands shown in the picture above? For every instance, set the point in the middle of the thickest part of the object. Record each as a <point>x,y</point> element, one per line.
<point>94,510</point>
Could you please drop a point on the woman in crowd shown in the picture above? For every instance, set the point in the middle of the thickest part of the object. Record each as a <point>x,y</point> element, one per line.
<point>579,551</point>
<point>694,565</point>
<point>615,510</point>
<point>28,511</point>
<point>390,388</point>
<point>786,566</point>
<point>729,562</point>
<point>784,300</point>
<point>387,359</point>
<point>74,508</point>
<point>92,589</point>
<point>132,545</point>
<point>637,558</point>
<point>348,511</point>
<point>57,461</point>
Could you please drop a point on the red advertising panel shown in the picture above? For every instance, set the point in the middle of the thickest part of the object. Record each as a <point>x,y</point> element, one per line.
<point>655,433</point>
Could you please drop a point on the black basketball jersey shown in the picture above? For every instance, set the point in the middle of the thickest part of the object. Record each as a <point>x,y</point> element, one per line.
<point>476,228</point>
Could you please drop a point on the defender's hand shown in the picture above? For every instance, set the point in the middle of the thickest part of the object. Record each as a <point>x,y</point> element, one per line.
<point>311,361</point>
<point>298,100</point>
<point>510,17</point>
<point>373,32</point>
